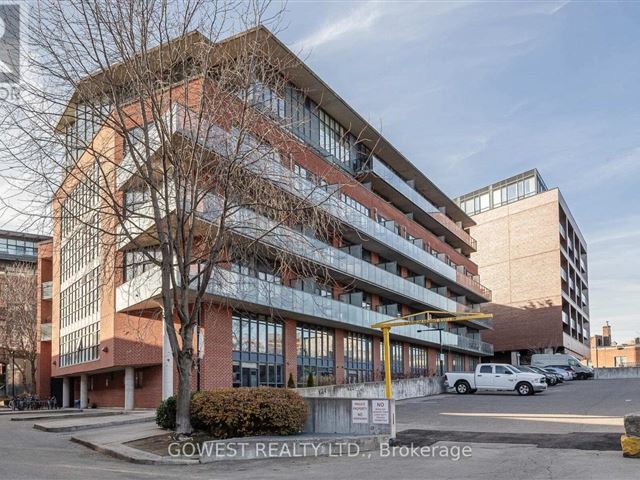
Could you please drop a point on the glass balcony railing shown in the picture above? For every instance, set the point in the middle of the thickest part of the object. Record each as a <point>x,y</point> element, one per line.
<point>247,223</point>
<point>268,164</point>
<point>252,290</point>
<point>247,290</point>
<point>45,332</point>
<point>381,170</point>
<point>47,290</point>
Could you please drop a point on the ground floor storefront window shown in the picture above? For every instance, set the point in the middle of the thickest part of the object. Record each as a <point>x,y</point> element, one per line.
<point>418,361</point>
<point>457,363</point>
<point>258,358</point>
<point>358,358</point>
<point>473,363</point>
<point>397,362</point>
<point>315,357</point>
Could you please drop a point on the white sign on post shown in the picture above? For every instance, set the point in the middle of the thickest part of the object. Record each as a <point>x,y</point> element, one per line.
<point>380,411</point>
<point>359,411</point>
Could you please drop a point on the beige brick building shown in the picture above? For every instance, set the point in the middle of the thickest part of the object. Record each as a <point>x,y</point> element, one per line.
<point>605,353</point>
<point>533,256</point>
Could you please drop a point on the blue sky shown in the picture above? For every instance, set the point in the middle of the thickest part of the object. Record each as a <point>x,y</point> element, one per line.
<point>475,92</point>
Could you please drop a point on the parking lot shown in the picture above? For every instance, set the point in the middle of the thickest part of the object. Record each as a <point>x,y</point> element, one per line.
<point>508,434</point>
<point>576,406</point>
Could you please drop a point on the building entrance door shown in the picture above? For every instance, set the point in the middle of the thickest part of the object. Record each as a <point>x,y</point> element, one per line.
<point>249,374</point>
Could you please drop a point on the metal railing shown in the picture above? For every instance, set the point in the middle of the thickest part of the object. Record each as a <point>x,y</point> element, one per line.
<point>474,285</point>
<point>385,173</point>
<point>221,142</point>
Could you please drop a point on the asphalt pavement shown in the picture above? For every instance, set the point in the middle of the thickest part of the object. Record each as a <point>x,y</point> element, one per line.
<point>27,453</point>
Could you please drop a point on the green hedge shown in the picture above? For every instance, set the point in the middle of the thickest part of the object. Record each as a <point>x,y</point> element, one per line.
<point>242,412</point>
<point>166,413</point>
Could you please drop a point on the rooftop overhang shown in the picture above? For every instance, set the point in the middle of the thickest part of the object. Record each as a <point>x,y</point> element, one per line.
<point>304,78</point>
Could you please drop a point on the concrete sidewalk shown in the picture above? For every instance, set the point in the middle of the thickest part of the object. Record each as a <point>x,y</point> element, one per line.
<point>44,415</point>
<point>7,411</point>
<point>110,441</point>
<point>81,422</point>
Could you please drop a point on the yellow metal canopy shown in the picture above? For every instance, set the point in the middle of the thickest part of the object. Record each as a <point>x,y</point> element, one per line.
<point>427,317</point>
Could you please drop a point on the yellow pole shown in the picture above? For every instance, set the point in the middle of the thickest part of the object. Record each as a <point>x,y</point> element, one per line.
<point>387,362</point>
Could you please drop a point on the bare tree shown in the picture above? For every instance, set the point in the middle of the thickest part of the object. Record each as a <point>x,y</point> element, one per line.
<point>148,131</point>
<point>19,331</point>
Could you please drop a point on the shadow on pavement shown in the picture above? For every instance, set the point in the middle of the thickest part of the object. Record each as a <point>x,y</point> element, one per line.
<point>579,441</point>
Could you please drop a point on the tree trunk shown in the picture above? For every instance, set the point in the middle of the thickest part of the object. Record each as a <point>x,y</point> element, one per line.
<point>33,375</point>
<point>183,414</point>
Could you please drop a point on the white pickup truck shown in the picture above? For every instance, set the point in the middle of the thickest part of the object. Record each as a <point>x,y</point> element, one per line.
<point>495,377</point>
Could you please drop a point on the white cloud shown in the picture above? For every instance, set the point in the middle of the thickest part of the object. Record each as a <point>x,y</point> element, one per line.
<point>359,19</point>
<point>616,168</point>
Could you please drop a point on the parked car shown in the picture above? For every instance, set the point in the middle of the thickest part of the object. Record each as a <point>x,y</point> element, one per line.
<point>496,377</point>
<point>562,359</point>
<point>566,368</point>
<point>552,379</point>
<point>567,375</point>
<point>545,372</point>
<point>559,376</point>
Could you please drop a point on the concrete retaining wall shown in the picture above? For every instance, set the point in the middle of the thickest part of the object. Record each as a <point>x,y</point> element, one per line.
<point>618,372</point>
<point>409,388</point>
<point>336,415</point>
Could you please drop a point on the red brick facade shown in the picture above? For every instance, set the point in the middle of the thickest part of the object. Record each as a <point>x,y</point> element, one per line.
<point>135,339</point>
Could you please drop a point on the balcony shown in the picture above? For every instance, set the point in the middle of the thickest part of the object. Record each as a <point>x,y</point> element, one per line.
<point>381,278</point>
<point>47,290</point>
<point>267,165</point>
<point>374,169</point>
<point>45,332</point>
<point>259,295</point>
<point>473,285</point>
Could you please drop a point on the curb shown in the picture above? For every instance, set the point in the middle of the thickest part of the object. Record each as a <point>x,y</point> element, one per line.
<point>66,415</point>
<point>133,455</point>
<point>75,428</point>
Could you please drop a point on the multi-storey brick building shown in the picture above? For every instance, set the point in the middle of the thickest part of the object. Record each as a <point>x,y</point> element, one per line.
<point>16,248</point>
<point>534,258</point>
<point>403,248</point>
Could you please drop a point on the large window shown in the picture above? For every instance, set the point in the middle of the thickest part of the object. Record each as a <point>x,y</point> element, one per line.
<point>397,361</point>
<point>358,358</point>
<point>354,204</point>
<point>261,270</point>
<point>80,272</point>
<point>257,344</point>
<point>139,261</point>
<point>266,99</point>
<point>502,194</point>
<point>457,362</point>
<point>13,246</point>
<point>334,139</point>
<point>473,363</point>
<point>80,345</point>
<point>315,347</point>
<point>79,134</point>
<point>80,299</point>
<point>418,361</point>
<point>135,200</point>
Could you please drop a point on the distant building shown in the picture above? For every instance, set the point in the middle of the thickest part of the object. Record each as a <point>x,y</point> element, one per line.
<point>15,248</point>
<point>533,256</point>
<point>605,353</point>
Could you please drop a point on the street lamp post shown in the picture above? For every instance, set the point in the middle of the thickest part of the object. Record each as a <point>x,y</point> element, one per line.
<point>13,374</point>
